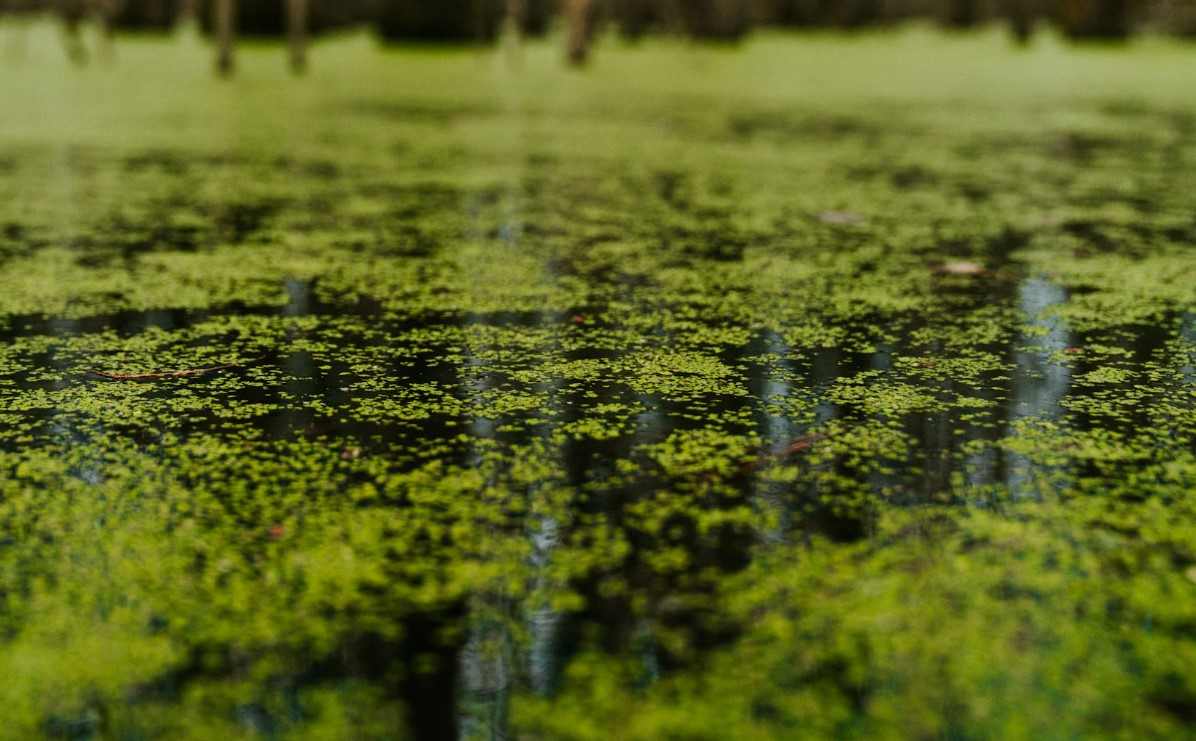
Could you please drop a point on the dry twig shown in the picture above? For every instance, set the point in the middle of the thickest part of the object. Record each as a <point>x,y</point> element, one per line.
<point>168,374</point>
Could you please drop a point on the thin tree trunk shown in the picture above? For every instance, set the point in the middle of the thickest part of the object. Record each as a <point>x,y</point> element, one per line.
<point>512,29</point>
<point>1021,21</point>
<point>297,11</point>
<point>71,15</point>
<point>188,12</point>
<point>516,17</point>
<point>577,16</point>
<point>225,21</point>
<point>105,15</point>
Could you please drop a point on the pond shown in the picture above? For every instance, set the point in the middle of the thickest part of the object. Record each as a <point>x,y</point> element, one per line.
<point>448,395</point>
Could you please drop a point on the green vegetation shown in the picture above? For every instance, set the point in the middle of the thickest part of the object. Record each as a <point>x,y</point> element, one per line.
<point>826,388</point>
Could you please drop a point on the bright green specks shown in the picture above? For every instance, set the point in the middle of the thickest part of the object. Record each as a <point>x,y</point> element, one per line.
<point>1106,375</point>
<point>635,403</point>
<point>814,335</point>
<point>682,374</point>
<point>688,455</point>
<point>889,399</point>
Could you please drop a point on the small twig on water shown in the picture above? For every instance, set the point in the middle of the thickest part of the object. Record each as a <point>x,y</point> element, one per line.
<point>169,374</point>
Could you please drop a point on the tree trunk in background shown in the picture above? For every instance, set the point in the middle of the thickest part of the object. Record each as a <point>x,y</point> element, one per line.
<point>517,15</point>
<point>860,13</point>
<point>269,19</point>
<point>297,16</point>
<point>1021,21</point>
<point>577,16</point>
<point>716,20</point>
<point>537,17</point>
<point>962,13</point>
<point>70,15</point>
<point>106,13</point>
<point>225,10</point>
<point>634,17</point>
<point>147,15</point>
<point>487,19</point>
<point>451,21</point>
<point>1096,19</point>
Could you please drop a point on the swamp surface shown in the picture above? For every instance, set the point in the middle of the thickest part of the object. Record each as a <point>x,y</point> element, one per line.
<point>822,388</point>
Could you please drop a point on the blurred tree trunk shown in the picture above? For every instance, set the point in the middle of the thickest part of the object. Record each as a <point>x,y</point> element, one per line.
<point>70,15</point>
<point>858,13</point>
<point>717,20</point>
<point>297,18</point>
<point>578,17</point>
<point>787,13</point>
<point>225,11</point>
<point>537,17</point>
<point>150,15</point>
<point>1096,19</point>
<point>962,13</point>
<point>106,13</point>
<point>634,17</point>
<point>439,20</point>
<point>517,14</point>
<point>1021,21</point>
<point>487,19</point>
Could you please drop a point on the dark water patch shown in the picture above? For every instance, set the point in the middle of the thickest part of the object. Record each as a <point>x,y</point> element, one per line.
<point>304,299</point>
<point>240,220</point>
<point>17,240</point>
<point>309,169</point>
<point>799,126</point>
<point>410,201</point>
<point>1076,148</point>
<point>126,323</point>
<point>179,163</point>
<point>976,190</point>
<point>427,112</point>
<point>120,238</point>
<point>1084,148</point>
<point>404,240</point>
<point>1140,238</point>
<point>914,176</point>
<point>162,161</point>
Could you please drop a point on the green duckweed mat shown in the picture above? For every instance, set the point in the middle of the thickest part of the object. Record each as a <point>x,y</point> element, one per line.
<point>821,388</point>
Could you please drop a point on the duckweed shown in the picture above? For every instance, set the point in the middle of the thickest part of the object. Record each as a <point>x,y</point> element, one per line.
<point>627,404</point>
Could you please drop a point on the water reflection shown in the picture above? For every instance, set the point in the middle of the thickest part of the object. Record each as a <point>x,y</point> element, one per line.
<point>519,641</point>
<point>1039,384</point>
<point>775,384</point>
<point>1188,336</point>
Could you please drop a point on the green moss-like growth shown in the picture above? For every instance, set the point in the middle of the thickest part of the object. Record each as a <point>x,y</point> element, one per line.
<point>856,402</point>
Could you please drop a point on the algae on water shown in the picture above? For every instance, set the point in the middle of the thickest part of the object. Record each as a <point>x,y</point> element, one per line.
<point>629,404</point>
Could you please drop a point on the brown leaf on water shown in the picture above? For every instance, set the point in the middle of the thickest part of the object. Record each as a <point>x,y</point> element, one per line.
<point>962,268</point>
<point>839,218</point>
